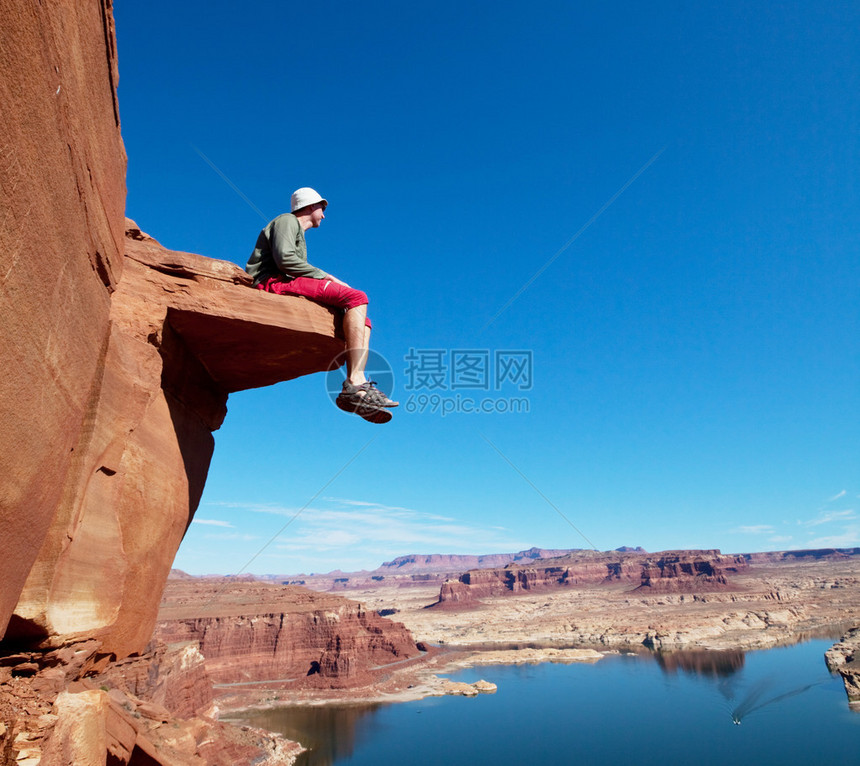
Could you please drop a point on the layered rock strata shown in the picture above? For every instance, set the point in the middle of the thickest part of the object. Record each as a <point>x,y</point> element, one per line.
<point>286,636</point>
<point>414,570</point>
<point>670,571</point>
<point>689,572</point>
<point>763,605</point>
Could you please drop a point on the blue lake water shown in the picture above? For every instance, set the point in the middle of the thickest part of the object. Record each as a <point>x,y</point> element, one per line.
<point>630,709</point>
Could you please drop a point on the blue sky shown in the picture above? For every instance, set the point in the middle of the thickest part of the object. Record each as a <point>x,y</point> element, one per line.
<point>692,340</point>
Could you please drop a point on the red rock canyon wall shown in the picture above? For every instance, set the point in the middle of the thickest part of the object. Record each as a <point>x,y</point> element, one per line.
<point>286,633</point>
<point>62,200</point>
<point>681,571</point>
<point>118,354</point>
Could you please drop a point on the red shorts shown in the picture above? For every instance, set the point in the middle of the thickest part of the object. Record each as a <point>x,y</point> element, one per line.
<point>321,290</point>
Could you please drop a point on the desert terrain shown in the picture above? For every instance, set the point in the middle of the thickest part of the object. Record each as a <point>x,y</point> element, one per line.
<point>705,602</point>
<point>770,604</point>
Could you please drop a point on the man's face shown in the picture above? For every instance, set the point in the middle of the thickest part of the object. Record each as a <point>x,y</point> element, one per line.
<point>317,214</point>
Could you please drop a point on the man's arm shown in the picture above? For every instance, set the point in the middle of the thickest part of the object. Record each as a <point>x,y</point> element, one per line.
<point>285,252</point>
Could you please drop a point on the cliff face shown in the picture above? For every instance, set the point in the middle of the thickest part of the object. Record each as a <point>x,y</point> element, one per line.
<point>118,354</point>
<point>688,571</point>
<point>258,632</point>
<point>62,196</point>
<point>184,332</point>
<point>670,571</point>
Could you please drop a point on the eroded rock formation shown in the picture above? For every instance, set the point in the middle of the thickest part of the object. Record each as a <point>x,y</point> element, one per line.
<point>689,571</point>
<point>147,710</point>
<point>844,658</point>
<point>286,634</point>
<point>670,571</point>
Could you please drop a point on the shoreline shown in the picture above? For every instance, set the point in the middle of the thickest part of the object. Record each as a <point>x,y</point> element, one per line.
<point>428,677</point>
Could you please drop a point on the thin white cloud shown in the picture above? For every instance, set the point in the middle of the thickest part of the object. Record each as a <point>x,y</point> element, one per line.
<point>346,534</point>
<point>848,538</point>
<point>385,532</point>
<point>830,517</point>
<point>837,496</point>
<point>754,529</point>
<point>230,536</point>
<point>365,504</point>
<point>213,523</point>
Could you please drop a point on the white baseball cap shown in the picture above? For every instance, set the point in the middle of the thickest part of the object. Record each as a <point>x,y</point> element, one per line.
<point>304,197</point>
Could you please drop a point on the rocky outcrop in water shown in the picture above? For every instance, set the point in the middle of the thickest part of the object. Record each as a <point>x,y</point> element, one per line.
<point>844,658</point>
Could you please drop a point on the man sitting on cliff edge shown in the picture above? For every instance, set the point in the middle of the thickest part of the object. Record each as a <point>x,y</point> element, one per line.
<point>279,264</point>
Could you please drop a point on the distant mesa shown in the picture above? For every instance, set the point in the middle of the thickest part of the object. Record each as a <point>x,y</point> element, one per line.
<point>178,574</point>
<point>415,569</point>
<point>667,572</point>
<point>438,562</point>
<point>814,554</point>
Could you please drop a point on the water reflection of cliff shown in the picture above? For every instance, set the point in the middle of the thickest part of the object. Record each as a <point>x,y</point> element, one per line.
<point>714,664</point>
<point>328,733</point>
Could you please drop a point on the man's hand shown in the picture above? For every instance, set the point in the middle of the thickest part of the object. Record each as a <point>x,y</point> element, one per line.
<point>335,279</point>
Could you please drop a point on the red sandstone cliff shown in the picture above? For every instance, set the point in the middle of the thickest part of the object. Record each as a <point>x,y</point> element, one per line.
<point>62,196</point>
<point>118,354</point>
<point>260,632</point>
<point>185,331</point>
<point>676,571</point>
<point>118,357</point>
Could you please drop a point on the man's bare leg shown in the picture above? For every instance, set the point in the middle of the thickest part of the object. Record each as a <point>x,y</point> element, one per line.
<point>357,335</point>
<point>357,343</point>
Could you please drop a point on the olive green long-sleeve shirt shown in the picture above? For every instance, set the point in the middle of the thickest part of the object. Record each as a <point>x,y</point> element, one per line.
<point>281,250</point>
